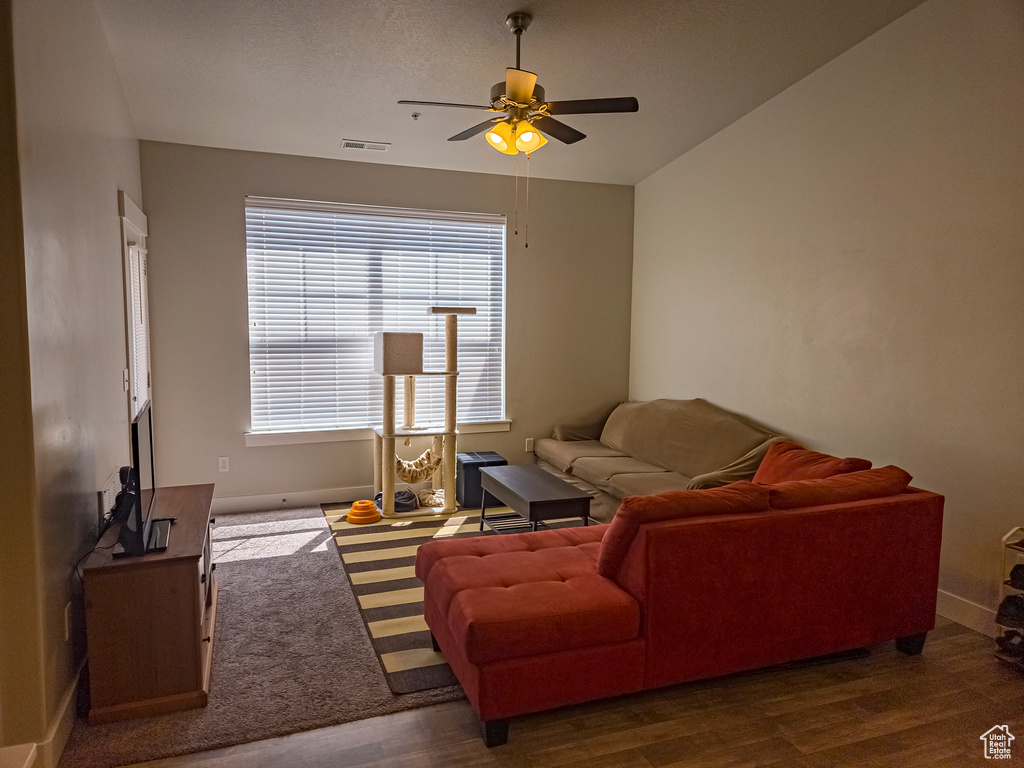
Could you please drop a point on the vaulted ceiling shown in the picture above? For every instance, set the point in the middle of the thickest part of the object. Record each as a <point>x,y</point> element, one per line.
<point>298,76</point>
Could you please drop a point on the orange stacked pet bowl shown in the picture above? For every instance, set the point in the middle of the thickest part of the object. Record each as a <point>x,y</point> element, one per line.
<point>363,511</point>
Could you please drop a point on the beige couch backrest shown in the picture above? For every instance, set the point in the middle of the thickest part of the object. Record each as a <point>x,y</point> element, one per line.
<point>690,437</point>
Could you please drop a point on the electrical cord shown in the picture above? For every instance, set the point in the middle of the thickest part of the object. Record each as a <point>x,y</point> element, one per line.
<point>92,551</point>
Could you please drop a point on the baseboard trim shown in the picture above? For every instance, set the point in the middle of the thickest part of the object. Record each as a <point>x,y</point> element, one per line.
<point>269,501</point>
<point>963,611</point>
<point>18,756</point>
<point>49,751</point>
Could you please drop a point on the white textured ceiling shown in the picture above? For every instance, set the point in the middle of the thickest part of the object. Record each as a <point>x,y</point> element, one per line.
<point>298,76</point>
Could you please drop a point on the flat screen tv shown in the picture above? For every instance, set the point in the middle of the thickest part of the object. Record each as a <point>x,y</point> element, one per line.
<point>138,534</point>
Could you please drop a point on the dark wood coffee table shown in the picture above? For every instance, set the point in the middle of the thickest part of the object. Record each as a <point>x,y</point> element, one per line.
<point>534,496</point>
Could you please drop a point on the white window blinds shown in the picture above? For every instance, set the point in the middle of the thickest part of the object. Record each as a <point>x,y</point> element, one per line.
<point>323,277</point>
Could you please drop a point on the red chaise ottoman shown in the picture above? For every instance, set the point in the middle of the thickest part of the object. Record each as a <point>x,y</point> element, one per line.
<point>528,615</point>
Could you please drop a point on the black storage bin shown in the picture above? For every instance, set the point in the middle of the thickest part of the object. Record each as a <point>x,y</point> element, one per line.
<point>467,474</point>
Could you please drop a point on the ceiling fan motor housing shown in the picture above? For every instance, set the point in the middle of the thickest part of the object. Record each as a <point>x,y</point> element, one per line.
<point>498,90</point>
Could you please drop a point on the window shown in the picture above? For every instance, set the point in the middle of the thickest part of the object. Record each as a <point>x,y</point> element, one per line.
<point>323,277</point>
<point>136,288</point>
<point>138,341</point>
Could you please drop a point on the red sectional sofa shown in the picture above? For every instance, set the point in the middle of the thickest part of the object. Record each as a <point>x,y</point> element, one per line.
<point>810,559</point>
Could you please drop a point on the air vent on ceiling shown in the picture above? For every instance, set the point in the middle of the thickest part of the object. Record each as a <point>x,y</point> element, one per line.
<point>373,146</point>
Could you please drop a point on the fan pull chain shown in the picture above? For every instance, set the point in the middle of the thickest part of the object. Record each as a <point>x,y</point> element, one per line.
<point>516,232</point>
<point>527,217</point>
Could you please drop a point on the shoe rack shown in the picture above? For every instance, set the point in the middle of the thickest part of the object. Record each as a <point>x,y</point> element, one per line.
<point>1010,640</point>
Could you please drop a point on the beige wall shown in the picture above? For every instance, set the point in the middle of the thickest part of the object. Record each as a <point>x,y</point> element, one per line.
<point>846,263</point>
<point>567,295</point>
<point>19,595</point>
<point>76,148</point>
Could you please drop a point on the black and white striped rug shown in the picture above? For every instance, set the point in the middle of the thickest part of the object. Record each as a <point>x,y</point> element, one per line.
<point>379,559</point>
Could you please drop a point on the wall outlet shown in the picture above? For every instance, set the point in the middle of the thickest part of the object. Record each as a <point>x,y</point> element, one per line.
<point>223,464</point>
<point>529,445</point>
<point>67,623</point>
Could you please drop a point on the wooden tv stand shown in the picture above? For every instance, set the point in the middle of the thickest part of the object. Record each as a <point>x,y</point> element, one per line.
<point>149,620</point>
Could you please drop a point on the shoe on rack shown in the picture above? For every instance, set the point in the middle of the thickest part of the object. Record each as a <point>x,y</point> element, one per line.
<point>1011,612</point>
<point>1011,643</point>
<point>1017,576</point>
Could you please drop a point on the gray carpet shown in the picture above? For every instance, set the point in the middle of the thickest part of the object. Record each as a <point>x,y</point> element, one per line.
<point>290,653</point>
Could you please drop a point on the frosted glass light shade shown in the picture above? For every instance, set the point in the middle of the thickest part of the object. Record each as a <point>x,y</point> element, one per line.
<point>529,138</point>
<point>500,137</point>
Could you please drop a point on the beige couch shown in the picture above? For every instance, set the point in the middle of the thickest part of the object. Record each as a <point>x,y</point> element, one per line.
<point>652,447</point>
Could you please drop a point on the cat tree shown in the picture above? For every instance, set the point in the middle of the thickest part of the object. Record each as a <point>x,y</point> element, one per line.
<point>401,354</point>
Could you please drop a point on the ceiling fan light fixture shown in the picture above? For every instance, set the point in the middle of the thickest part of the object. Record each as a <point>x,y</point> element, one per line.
<point>500,137</point>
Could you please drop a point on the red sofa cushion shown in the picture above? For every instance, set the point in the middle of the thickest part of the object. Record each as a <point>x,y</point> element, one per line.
<point>526,595</point>
<point>634,511</point>
<point>456,573</point>
<point>428,554</point>
<point>787,460</point>
<point>852,486</point>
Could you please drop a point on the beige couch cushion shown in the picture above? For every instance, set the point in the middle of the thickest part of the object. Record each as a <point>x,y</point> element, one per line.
<point>690,437</point>
<point>602,505</point>
<point>597,470</point>
<point>646,484</point>
<point>563,454</point>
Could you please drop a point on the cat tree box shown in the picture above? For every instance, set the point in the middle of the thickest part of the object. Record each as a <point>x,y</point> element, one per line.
<point>397,354</point>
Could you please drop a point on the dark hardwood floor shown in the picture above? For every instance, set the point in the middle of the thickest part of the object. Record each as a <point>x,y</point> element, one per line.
<point>885,710</point>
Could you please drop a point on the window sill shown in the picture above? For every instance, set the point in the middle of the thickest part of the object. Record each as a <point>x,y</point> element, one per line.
<point>258,439</point>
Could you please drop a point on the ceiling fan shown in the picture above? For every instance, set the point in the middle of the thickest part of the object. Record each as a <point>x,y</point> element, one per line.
<point>525,112</point>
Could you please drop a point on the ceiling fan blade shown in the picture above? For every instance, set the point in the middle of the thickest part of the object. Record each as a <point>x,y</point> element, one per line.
<point>593,106</point>
<point>564,133</point>
<point>519,85</point>
<point>478,128</point>
<point>443,104</point>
